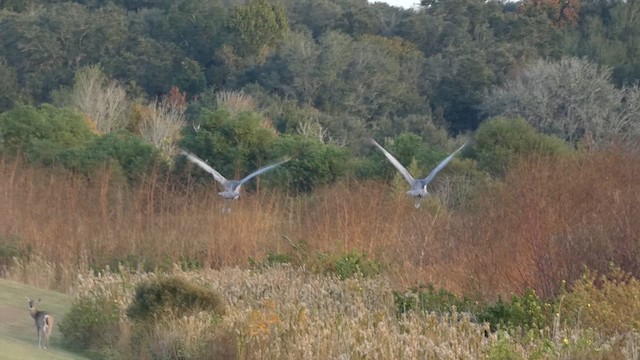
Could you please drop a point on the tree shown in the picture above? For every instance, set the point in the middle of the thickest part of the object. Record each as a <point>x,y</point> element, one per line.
<point>10,90</point>
<point>197,27</point>
<point>256,27</point>
<point>161,122</point>
<point>313,163</point>
<point>103,100</point>
<point>233,144</point>
<point>609,32</point>
<point>156,66</point>
<point>370,79</point>
<point>500,141</point>
<point>42,133</point>
<point>558,12</point>
<point>571,98</point>
<point>466,52</point>
<point>48,44</point>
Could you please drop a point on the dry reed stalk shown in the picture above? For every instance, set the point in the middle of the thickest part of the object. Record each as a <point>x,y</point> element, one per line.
<point>541,226</point>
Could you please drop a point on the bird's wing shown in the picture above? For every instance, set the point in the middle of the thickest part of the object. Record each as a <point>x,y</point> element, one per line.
<point>395,163</point>
<point>260,171</point>
<point>441,166</point>
<point>196,160</point>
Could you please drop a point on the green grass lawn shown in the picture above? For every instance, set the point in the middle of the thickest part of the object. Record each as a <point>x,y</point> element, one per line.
<point>18,337</point>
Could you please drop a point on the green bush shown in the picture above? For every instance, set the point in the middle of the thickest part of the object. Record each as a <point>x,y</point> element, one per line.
<point>427,298</point>
<point>526,312</point>
<point>133,156</point>
<point>498,142</point>
<point>51,135</point>
<point>42,133</point>
<point>175,295</point>
<point>11,247</point>
<point>164,311</point>
<point>92,323</point>
<point>348,265</point>
<point>313,164</point>
<point>503,349</point>
<point>408,147</point>
<point>609,303</point>
<point>234,144</point>
<point>274,258</point>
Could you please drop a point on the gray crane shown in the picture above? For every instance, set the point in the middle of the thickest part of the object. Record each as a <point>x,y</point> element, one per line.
<point>231,187</point>
<point>418,186</point>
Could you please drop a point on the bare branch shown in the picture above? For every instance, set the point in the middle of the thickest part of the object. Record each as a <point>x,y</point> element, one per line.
<point>104,101</point>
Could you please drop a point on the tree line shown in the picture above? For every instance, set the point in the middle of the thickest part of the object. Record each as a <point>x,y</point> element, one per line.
<point>240,82</point>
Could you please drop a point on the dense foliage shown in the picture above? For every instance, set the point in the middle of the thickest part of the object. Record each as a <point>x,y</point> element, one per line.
<point>175,295</point>
<point>545,93</point>
<point>370,60</point>
<point>310,80</point>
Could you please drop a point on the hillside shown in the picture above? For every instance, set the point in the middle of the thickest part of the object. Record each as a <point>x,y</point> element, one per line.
<point>17,331</point>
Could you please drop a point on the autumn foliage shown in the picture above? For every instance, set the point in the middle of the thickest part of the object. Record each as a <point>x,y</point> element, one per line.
<point>559,12</point>
<point>546,222</point>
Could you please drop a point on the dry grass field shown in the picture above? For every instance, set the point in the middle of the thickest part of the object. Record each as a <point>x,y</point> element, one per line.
<point>539,228</point>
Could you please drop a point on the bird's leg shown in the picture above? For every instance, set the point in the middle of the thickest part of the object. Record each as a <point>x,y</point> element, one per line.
<point>416,203</point>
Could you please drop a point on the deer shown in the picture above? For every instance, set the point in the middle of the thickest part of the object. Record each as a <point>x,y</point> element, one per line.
<point>44,323</point>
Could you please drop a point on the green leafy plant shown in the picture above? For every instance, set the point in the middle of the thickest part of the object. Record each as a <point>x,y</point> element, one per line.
<point>313,164</point>
<point>427,298</point>
<point>174,294</point>
<point>608,302</point>
<point>11,247</point>
<point>498,142</point>
<point>92,323</point>
<point>43,132</point>
<point>527,312</point>
<point>349,265</point>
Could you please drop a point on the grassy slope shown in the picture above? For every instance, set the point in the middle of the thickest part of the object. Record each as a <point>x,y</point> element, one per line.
<point>18,339</point>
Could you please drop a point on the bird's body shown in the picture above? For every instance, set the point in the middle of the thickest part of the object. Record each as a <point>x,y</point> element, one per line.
<point>231,187</point>
<point>418,186</point>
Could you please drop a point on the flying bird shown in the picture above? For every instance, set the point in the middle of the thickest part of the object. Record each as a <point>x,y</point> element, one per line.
<point>231,187</point>
<point>418,186</point>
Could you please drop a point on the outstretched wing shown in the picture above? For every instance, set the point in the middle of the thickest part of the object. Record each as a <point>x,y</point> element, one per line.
<point>441,166</point>
<point>196,160</point>
<point>395,163</point>
<point>260,171</point>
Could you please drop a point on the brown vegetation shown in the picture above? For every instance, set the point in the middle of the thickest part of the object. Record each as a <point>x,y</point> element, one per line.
<point>544,224</point>
<point>551,220</point>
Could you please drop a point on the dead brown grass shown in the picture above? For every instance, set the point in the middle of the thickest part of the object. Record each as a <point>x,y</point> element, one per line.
<point>543,224</point>
<point>551,220</point>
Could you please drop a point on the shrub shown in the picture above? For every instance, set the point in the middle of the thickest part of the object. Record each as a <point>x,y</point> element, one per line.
<point>609,303</point>
<point>42,133</point>
<point>349,265</point>
<point>570,98</point>
<point>52,135</point>
<point>174,294</point>
<point>12,247</point>
<point>526,312</point>
<point>278,258</point>
<point>188,337</point>
<point>234,144</point>
<point>313,164</point>
<point>427,298</point>
<point>503,350</point>
<point>133,155</point>
<point>498,142</point>
<point>92,323</point>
